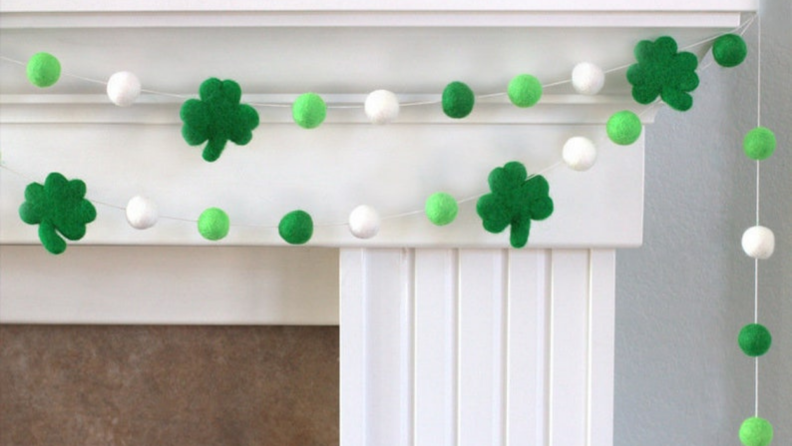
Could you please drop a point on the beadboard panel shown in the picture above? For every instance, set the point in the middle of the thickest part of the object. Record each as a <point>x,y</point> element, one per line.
<point>477,346</point>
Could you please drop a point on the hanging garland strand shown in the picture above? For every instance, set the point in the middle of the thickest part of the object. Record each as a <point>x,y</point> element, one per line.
<point>758,242</point>
<point>218,116</point>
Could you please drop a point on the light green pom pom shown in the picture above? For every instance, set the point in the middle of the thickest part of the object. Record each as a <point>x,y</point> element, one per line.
<point>309,110</point>
<point>213,224</point>
<point>441,208</point>
<point>759,144</point>
<point>43,70</point>
<point>624,127</point>
<point>756,431</point>
<point>524,90</point>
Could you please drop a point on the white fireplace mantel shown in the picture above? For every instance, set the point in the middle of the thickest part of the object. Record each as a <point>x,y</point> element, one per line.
<point>448,336</point>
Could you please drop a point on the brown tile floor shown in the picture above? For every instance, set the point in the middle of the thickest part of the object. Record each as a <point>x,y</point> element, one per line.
<point>106,385</point>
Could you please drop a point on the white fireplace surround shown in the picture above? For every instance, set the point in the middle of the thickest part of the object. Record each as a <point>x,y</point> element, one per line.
<point>448,336</point>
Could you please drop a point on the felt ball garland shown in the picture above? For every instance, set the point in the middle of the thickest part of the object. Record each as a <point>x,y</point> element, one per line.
<point>364,222</point>
<point>458,100</point>
<point>296,227</point>
<point>588,78</point>
<point>123,88</point>
<point>214,224</point>
<point>381,107</point>
<point>579,153</point>
<point>759,144</point>
<point>141,212</point>
<point>729,50</point>
<point>441,208</point>
<point>624,127</point>
<point>755,340</point>
<point>524,90</point>
<point>43,70</point>
<point>756,431</point>
<point>758,242</point>
<point>309,110</point>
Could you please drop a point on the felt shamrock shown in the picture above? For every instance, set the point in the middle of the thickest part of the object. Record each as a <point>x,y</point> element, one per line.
<point>58,206</point>
<point>661,71</point>
<point>515,200</point>
<point>218,117</point>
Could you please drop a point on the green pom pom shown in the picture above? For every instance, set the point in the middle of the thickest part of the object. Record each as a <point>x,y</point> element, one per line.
<point>759,144</point>
<point>43,70</point>
<point>441,208</point>
<point>755,340</point>
<point>217,118</point>
<point>525,90</point>
<point>59,208</point>
<point>458,100</point>
<point>213,224</point>
<point>756,431</point>
<point>296,227</point>
<point>624,127</point>
<point>309,110</point>
<point>729,50</point>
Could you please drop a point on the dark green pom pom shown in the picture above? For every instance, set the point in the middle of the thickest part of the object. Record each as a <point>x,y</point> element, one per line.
<point>458,100</point>
<point>729,50</point>
<point>755,340</point>
<point>296,227</point>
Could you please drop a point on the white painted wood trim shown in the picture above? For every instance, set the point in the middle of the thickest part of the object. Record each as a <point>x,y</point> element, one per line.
<point>169,285</point>
<point>477,346</point>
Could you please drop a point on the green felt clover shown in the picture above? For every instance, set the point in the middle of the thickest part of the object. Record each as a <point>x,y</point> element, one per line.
<point>515,200</point>
<point>218,117</point>
<point>662,71</point>
<point>58,206</point>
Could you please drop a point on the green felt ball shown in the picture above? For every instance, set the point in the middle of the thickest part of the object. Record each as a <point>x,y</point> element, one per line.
<point>43,70</point>
<point>755,340</point>
<point>441,208</point>
<point>756,431</point>
<point>213,224</point>
<point>309,110</point>
<point>759,144</point>
<point>729,50</point>
<point>624,127</point>
<point>524,90</point>
<point>296,227</point>
<point>458,100</point>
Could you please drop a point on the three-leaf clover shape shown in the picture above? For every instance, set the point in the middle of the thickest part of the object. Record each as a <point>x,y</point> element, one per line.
<point>59,208</point>
<point>515,200</point>
<point>217,118</point>
<point>662,71</point>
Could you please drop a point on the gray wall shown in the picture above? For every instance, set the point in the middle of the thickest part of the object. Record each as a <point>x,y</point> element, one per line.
<point>683,297</point>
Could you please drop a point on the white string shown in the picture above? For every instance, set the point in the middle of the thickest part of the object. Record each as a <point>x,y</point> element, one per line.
<point>758,201</point>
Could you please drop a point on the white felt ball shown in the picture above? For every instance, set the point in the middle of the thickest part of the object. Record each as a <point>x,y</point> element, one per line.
<point>382,107</point>
<point>364,222</point>
<point>579,153</point>
<point>587,78</point>
<point>141,212</point>
<point>758,242</point>
<point>123,88</point>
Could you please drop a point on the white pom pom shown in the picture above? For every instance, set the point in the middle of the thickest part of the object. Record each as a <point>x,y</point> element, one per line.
<point>587,78</point>
<point>382,107</point>
<point>579,153</point>
<point>141,212</point>
<point>758,242</point>
<point>123,88</point>
<point>364,222</point>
